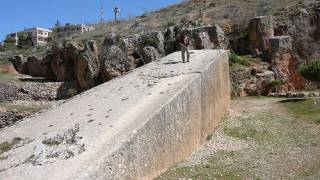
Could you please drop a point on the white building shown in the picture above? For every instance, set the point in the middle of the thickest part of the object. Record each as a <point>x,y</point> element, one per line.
<point>70,30</point>
<point>39,36</point>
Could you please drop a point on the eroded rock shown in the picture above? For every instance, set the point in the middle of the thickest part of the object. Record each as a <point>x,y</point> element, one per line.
<point>87,66</point>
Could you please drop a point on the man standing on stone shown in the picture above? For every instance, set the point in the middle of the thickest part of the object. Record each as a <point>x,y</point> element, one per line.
<point>185,42</point>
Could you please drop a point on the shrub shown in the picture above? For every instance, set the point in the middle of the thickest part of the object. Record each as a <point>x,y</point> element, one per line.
<point>147,40</point>
<point>311,71</point>
<point>275,84</point>
<point>72,92</point>
<point>234,58</point>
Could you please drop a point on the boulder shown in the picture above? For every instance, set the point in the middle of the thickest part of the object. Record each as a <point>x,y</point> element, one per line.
<point>150,54</point>
<point>130,43</point>
<point>267,74</point>
<point>155,39</point>
<point>62,60</point>
<point>37,68</point>
<point>285,64</point>
<point>260,31</point>
<point>218,37</point>
<point>279,44</point>
<point>114,62</point>
<point>19,63</point>
<point>87,66</point>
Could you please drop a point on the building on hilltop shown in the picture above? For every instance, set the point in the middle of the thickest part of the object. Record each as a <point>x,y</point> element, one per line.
<point>39,36</point>
<point>70,30</point>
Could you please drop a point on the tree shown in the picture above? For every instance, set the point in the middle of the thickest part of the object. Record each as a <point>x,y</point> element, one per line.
<point>311,71</point>
<point>25,40</point>
<point>9,43</point>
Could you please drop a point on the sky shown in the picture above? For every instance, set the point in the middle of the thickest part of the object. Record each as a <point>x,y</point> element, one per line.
<point>17,15</point>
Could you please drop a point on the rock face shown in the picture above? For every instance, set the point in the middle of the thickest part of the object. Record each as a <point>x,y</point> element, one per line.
<point>203,37</point>
<point>285,64</point>
<point>19,63</point>
<point>303,25</point>
<point>260,31</point>
<point>114,63</point>
<point>150,54</point>
<point>251,81</point>
<point>87,66</point>
<point>60,62</point>
<point>218,37</point>
<point>37,68</point>
<point>90,66</point>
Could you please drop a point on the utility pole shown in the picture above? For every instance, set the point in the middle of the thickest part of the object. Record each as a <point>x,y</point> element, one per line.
<point>101,23</point>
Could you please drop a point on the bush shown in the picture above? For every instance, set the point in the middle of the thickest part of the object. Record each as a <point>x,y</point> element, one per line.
<point>234,58</point>
<point>275,84</point>
<point>25,41</point>
<point>311,71</point>
<point>147,40</point>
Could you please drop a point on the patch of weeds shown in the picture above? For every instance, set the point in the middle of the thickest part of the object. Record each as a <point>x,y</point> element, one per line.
<point>244,132</point>
<point>255,128</point>
<point>210,137</point>
<point>215,168</point>
<point>7,146</point>
<point>235,59</point>
<point>51,142</point>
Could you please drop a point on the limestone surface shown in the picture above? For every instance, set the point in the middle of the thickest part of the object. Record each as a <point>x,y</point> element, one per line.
<point>132,127</point>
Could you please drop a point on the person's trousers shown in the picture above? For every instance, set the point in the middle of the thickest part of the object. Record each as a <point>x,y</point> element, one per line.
<point>184,51</point>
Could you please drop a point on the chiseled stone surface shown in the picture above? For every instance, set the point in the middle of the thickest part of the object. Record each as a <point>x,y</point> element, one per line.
<point>133,127</point>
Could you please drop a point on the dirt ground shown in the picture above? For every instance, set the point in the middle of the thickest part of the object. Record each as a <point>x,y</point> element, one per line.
<point>260,138</point>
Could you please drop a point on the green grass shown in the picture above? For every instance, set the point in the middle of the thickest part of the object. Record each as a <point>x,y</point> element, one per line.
<point>267,132</point>
<point>307,109</point>
<point>215,168</point>
<point>7,76</point>
<point>234,58</point>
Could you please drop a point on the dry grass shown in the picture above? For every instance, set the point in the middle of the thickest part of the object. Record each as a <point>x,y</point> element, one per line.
<point>227,13</point>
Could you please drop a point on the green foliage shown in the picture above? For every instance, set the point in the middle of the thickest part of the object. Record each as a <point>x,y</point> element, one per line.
<point>311,71</point>
<point>275,84</point>
<point>25,41</point>
<point>147,40</point>
<point>9,43</point>
<point>234,59</point>
<point>72,92</point>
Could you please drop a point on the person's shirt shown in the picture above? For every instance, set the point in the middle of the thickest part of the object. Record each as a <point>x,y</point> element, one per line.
<point>185,40</point>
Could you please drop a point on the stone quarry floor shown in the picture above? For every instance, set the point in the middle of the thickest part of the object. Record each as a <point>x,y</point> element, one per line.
<point>260,138</point>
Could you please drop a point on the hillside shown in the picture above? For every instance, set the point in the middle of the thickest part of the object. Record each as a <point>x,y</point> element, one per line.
<point>227,13</point>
